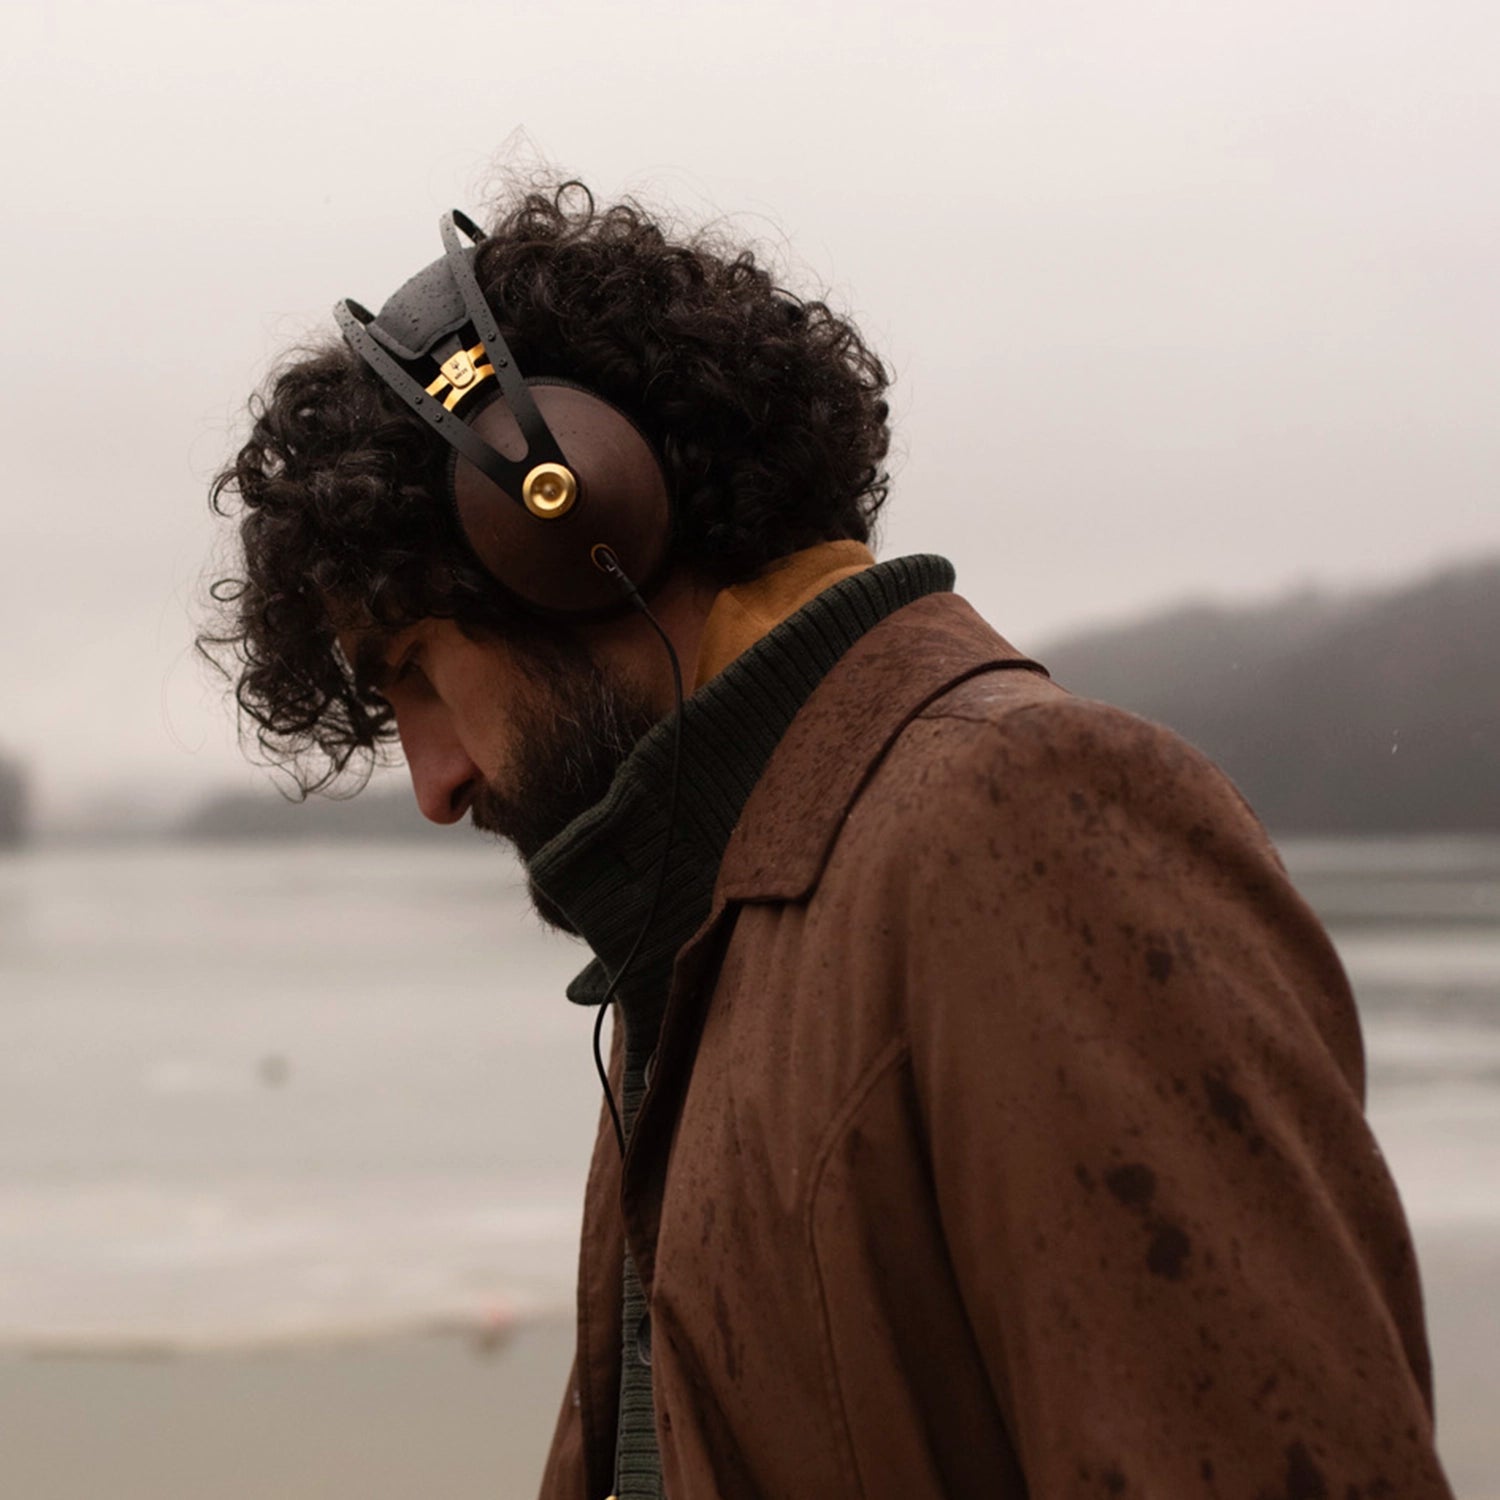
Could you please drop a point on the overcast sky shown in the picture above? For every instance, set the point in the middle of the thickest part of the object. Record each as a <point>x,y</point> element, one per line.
<point>1182,299</point>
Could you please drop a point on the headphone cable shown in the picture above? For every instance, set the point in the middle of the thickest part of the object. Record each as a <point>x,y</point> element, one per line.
<point>606,561</point>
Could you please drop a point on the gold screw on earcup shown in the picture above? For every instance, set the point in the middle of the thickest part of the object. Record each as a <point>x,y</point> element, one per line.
<point>549,491</point>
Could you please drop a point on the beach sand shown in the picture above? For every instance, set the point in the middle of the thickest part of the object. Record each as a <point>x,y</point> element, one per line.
<point>399,1418</point>
<point>441,1415</point>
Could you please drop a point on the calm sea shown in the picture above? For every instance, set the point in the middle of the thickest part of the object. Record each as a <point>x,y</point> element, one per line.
<point>257,1093</point>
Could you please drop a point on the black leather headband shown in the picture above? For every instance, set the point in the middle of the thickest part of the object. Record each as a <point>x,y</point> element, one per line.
<point>409,316</point>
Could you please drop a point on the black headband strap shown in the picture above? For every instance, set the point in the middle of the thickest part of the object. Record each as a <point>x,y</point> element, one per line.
<point>352,319</point>
<point>541,446</point>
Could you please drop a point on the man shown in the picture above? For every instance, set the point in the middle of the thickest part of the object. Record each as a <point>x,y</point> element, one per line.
<point>989,1103</point>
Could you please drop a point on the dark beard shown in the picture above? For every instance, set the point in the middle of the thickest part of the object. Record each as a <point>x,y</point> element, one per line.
<point>574,735</point>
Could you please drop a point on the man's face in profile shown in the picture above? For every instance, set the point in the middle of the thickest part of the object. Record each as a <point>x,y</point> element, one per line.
<point>522,737</point>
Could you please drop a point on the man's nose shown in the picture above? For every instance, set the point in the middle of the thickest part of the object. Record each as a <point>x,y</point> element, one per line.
<point>443,777</point>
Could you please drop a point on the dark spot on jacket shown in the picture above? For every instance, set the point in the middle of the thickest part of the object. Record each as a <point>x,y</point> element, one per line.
<point>1304,1479</point>
<point>1039,867</point>
<point>1078,802</point>
<point>1170,1247</point>
<point>1113,1481</point>
<point>1159,964</point>
<point>1084,1176</point>
<point>1227,1105</point>
<point>1230,1108</point>
<point>1206,1469</point>
<point>1134,1184</point>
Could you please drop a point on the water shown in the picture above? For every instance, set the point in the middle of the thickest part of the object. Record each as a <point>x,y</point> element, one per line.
<point>276,1093</point>
<point>255,1093</point>
<point>1417,923</point>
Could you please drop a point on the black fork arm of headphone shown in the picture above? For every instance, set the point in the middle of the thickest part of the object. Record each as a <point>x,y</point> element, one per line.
<point>352,319</point>
<point>541,446</point>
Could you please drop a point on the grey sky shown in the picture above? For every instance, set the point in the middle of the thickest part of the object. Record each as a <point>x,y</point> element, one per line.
<point>1182,299</point>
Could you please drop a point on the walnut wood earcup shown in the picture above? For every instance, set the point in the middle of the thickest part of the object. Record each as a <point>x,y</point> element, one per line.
<point>622,502</point>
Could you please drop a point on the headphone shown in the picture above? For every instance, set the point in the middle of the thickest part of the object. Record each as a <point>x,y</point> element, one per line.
<point>557,491</point>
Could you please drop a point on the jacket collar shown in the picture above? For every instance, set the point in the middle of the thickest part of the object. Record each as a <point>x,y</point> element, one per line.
<point>783,838</point>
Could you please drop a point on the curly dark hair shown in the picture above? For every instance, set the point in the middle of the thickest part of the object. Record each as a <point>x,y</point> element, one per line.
<point>767,411</point>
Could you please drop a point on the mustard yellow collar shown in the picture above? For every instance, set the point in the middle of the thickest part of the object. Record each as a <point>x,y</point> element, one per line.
<point>742,614</point>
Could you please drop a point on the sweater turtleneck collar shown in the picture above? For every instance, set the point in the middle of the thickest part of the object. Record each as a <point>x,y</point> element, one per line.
<point>600,871</point>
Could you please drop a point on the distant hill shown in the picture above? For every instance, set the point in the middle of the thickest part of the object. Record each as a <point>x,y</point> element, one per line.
<point>1373,714</point>
<point>376,813</point>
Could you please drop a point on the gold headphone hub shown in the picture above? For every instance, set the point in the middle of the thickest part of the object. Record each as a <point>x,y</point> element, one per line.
<point>549,491</point>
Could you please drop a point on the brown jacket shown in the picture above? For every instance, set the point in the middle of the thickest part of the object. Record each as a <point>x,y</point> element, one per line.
<point>1005,1137</point>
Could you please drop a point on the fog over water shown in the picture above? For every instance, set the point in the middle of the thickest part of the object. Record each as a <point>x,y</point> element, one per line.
<point>1182,300</point>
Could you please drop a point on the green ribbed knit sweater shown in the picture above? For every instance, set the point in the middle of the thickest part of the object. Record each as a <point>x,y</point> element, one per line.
<point>601,872</point>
